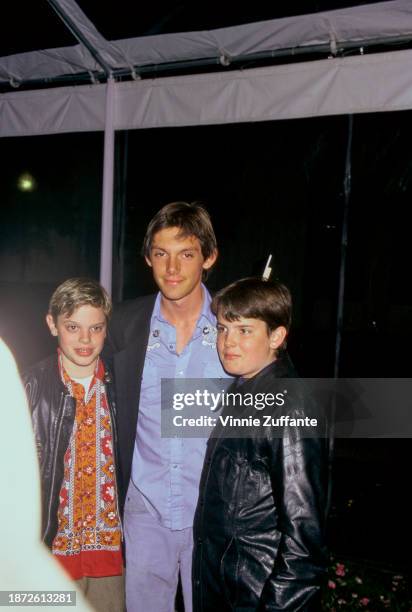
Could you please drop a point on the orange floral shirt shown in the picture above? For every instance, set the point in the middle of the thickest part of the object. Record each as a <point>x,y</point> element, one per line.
<point>88,539</point>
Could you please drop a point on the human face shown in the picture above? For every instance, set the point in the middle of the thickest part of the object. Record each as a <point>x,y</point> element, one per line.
<point>81,337</point>
<point>245,346</point>
<point>177,263</point>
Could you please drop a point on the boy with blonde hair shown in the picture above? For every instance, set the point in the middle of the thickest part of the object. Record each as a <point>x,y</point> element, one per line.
<point>72,410</point>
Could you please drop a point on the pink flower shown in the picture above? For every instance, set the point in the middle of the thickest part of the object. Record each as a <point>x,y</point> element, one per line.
<point>331,584</point>
<point>364,601</point>
<point>340,569</point>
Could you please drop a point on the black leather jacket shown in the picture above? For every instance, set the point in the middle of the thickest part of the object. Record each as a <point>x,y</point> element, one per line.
<point>259,524</point>
<point>53,411</point>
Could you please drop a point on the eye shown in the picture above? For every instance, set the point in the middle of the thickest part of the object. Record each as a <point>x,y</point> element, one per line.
<point>188,255</point>
<point>245,331</point>
<point>158,254</point>
<point>220,329</point>
<point>97,328</point>
<point>71,327</point>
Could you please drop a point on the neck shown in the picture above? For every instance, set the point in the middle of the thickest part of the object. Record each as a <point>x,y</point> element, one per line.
<point>75,371</point>
<point>183,310</point>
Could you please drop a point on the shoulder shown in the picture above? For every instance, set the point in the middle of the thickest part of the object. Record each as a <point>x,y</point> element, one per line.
<point>41,369</point>
<point>130,310</point>
<point>134,307</point>
<point>42,375</point>
<point>283,366</point>
<point>127,317</point>
<point>271,375</point>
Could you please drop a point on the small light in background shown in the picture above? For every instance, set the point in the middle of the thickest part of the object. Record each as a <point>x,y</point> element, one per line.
<point>26,182</point>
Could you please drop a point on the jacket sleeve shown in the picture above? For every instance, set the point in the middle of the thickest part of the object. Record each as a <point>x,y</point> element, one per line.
<point>299,477</point>
<point>31,388</point>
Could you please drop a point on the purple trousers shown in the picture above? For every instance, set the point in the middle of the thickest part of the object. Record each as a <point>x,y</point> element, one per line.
<point>154,557</point>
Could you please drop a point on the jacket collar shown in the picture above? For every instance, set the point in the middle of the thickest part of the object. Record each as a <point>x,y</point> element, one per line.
<point>281,368</point>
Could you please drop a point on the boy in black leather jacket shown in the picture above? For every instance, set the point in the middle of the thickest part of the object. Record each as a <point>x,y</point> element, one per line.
<point>72,410</point>
<point>259,542</point>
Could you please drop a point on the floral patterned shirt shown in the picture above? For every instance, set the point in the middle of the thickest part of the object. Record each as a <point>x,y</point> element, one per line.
<point>88,539</point>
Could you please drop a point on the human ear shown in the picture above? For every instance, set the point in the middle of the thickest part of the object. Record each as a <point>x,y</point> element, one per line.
<point>51,325</point>
<point>277,337</point>
<point>209,262</point>
<point>149,263</point>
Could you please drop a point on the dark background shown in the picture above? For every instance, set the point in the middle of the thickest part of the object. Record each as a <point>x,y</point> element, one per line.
<point>275,187</point>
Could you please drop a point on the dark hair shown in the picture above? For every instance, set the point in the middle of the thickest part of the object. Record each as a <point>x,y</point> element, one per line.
<point>192,220</point>
<point>254,298</point>
<point>76,292</point>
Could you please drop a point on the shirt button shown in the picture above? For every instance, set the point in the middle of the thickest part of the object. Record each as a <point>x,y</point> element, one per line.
<point>171,346</point>
<point>175,466</point>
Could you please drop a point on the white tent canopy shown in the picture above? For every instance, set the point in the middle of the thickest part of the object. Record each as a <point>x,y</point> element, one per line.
<point>370,82</point>
<point>333,29</point>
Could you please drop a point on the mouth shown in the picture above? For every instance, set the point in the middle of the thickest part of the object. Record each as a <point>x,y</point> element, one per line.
<point>230,356</point>
<point>84,352</point>
<point>173,281</point>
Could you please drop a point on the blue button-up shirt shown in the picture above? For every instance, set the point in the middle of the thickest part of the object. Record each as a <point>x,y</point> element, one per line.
<point>167,470</point>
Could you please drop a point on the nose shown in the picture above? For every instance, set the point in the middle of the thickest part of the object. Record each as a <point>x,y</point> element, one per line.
<point>172,264</point>
<point>84,336</point>
<point>230,339</point>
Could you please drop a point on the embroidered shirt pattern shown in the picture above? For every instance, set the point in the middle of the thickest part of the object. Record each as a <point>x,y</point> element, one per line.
<point>88,519</point>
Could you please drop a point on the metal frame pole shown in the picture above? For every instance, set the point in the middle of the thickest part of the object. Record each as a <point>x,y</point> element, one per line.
<point>106,243</point>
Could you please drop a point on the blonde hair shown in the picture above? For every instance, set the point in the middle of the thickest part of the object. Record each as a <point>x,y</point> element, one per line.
<point>76,292</point>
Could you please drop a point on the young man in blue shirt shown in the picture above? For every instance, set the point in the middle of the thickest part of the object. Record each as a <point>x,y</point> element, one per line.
<point>168,335</point>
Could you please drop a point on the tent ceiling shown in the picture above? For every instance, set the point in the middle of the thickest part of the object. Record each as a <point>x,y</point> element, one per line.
<point>96,56</point>
<point>36,26</point>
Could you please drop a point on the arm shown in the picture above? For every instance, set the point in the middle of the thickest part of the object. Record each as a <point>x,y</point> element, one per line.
<point>299,475</point>
<point>31,389</point>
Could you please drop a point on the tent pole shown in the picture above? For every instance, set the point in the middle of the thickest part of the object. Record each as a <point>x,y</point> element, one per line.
<point>347,186</point>
<point>107,196</point>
